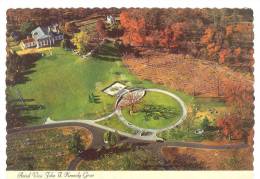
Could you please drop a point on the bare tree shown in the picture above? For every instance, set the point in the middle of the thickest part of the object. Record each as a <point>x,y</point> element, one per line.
<point>131,99</point>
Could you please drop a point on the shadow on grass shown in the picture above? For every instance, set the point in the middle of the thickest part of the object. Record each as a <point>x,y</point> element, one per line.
<point>18,115</point>
<point>19,67</point>
<point>107,58</point>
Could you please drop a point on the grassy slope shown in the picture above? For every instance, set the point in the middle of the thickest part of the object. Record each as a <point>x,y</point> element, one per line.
<point>153,98</point>
<point>116,124</point>
<point>63,81</point>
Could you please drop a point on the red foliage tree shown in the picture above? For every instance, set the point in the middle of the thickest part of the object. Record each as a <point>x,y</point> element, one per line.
<point>223,54</point>
<point>101,28</point>
<point>231,127</point>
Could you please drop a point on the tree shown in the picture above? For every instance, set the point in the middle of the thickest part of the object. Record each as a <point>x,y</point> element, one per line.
<point>65,43</point>
<point>135,29</point>
<point>130,99</point>
<point>92,98</point>
<point>239,95</point>
<point>80,41</point>
<point>26,28</point>
<point>205,123</point>
<point>70,28</point>
<point>111,138</point>
<point>230,127</point>
<point>62,44</point>
<point>76,144</point>
<point>223,55</point>
<point>101,29</point>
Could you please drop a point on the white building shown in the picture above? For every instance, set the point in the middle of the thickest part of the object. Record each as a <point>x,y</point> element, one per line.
<point>43,37</point>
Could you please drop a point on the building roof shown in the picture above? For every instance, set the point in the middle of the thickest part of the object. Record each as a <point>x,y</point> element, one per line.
<point>40,33</point>
<point>45,32</point>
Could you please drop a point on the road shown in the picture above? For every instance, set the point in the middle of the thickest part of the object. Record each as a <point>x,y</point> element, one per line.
<point>96,132</point>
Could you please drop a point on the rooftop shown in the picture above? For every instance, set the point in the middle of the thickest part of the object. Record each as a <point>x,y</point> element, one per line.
<point>40,33</point>
<point>45,32</point>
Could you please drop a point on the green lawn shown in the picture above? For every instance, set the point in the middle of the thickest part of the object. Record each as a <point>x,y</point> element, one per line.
<point>62,82</point>
<point>116,124</point>
<point>168,110</point>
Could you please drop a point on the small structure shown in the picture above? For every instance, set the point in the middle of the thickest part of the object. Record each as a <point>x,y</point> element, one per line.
<point>110,19</point>
<point>115,89</point>
<point>199,131</point>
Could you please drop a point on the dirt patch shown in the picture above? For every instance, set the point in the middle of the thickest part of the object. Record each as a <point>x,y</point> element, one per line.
<point>184,158</point>
<point>184,73</point>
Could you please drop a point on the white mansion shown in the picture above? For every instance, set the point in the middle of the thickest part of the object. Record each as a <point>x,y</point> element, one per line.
<point>43,37</point>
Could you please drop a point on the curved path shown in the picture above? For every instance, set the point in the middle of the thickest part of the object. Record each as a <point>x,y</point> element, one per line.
<point>154,131</point>
<point>99,142</point>
<point>151,136</point>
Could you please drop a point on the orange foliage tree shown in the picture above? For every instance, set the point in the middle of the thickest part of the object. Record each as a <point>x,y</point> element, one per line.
<point>230,127</point>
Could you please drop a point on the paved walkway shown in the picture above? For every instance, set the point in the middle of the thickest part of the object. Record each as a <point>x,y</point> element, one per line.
<point>153,132</point>
<point>151,136</point>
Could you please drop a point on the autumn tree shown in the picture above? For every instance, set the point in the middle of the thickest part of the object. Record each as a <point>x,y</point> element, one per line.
<point>230,127</point>
<point>70,28</point>
<point>239,95</point>
<point>80,41</point>
<point>101,29</point>
<point>134,29</point>
<point>219,35</point>
<point>130,99</point>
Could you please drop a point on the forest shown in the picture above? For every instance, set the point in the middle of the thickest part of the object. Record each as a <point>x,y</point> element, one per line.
<point>223,35</point>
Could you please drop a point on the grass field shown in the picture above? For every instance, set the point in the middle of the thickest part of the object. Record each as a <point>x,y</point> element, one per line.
<point>155,99</point>
<point>62,82</point>
<point>116,124</point>
<point>44,149</point>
